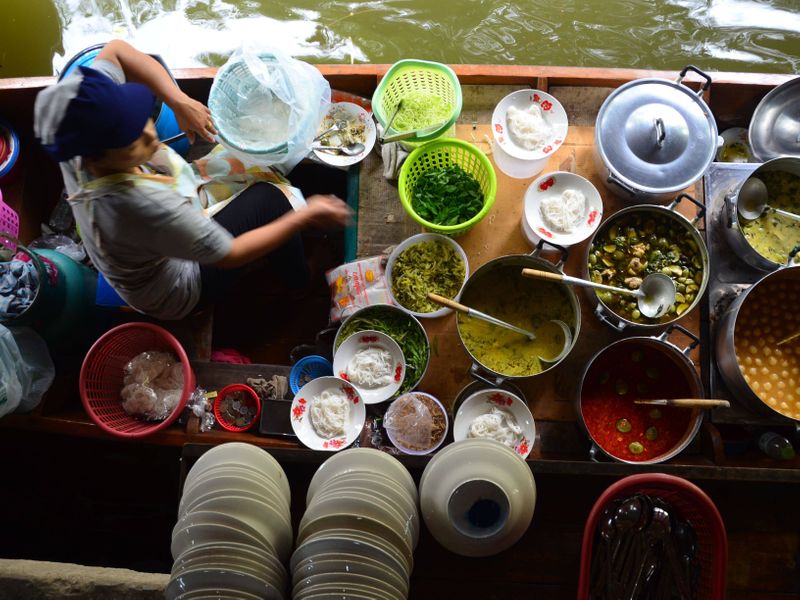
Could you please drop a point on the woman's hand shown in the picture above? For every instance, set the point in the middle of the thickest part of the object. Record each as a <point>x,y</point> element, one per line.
<point>327,211</point>
<point>194,118</point>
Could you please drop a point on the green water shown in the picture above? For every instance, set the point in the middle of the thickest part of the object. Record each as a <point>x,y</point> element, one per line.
<point>37,36</point>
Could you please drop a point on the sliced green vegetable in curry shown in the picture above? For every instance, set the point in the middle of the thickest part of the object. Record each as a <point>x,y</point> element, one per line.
<point>772,235</point>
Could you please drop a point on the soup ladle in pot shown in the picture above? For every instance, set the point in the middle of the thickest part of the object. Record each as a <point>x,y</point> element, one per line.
<point>655,295</point>
<point>752,201</point>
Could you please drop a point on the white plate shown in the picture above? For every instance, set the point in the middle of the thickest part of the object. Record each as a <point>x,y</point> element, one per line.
<point>197,529</point>
<point>242,553</point>
<point>340,543</point>
<point>263,571</point>
<point>554,184</point>
<point>348,579</point>
<point>350,111</point>
<point>371,339</point>
<point>418,239</point>
<point>482,402</point>
<point>301,418</point>
<point>212,579</point>
<point>367,460</point>
<point>233,484</point>
<point>552,112</point>
<point>352,563</point>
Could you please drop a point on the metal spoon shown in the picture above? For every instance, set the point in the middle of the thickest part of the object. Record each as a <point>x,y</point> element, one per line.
<point>350,150</point>
<point>655,295</point>
<point>337,125</point>
<point>752,201</point>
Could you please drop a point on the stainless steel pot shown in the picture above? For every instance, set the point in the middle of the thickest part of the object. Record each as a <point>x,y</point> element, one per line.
<point>680,357</point>
<point>605,313</point>
<point>733,230</point>
<point>654,137</point>
<point>725,347</point>
<point>522,261</point>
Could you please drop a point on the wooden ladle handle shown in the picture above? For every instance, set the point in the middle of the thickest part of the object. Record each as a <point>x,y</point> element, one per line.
<point>545,275</point>
<point>448,302</point>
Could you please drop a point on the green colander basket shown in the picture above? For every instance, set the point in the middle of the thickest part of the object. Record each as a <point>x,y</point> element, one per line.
<point>417,75</point>
<point>440,154</point>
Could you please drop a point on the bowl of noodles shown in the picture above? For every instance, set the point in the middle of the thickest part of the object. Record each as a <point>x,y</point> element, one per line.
<point>529,124</point>
<point>373,362</point>
<point>359,128</point>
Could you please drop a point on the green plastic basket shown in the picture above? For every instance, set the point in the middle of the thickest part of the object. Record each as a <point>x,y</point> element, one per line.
<point>440,154</point>
<point>417,75</point>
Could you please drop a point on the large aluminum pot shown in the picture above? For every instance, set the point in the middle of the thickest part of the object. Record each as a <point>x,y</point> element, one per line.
<point>606,313</point>
<point>733,230</point>
<point>725,343</point>
<point>671,354</point>
<point>514,264</point>
<point>653,138</point>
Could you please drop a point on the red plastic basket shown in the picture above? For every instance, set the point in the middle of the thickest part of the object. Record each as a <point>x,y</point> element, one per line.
<point>102,373</point>
<point>236,387</point>
<point>692,503</point>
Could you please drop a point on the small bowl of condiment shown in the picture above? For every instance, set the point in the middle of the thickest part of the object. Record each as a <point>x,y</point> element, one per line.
<point>562,208</point>
<point>416,423</point>
<point>237,407</point>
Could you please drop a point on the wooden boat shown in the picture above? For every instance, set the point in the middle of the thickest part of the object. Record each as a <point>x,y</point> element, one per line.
<point>720,455</point>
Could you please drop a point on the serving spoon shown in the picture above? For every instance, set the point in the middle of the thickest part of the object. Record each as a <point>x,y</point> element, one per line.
<point>752,201</point>
<point>654,296</point>
<point>349,150</point>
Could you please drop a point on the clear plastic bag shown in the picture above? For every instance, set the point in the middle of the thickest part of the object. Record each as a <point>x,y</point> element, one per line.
<point>153,385</point>
<point>26,369</point>
<point>268,106</point>
<point>410,422</point>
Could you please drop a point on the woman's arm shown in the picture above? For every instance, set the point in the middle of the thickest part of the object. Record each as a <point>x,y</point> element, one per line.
<point>192,116</point>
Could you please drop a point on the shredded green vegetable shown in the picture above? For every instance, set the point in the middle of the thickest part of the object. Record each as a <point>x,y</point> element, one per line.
<point>431,266</point>
<point>420,109</point>
<point>402,328</point>
<point>448,196</point>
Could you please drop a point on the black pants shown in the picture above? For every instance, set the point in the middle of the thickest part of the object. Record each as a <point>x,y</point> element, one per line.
<point>258,205</point>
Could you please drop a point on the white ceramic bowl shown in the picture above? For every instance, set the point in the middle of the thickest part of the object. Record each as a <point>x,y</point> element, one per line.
<point>735,146</point>
<point>554,184</point>
<point>348,579</point>
<point>482,402</point>
<point>232,483</point>
<point>216,579</point>
<point>301,419</point>
<point>341,562</point>
<point>477,497</point>
<point>340,543</point>
<point>362,341</point>
<point>553,113</point>
<point>350,111</point>
<point>412,241</point>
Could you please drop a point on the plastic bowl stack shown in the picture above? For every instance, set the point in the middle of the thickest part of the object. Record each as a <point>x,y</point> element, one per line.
<point>234,532</point>
<point>359,531</point>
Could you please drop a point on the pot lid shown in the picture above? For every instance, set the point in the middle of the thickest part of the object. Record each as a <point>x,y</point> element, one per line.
<point>656,135</point>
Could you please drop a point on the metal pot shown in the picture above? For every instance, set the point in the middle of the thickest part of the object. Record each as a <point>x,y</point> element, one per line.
<point>522,261</point>
<point>725,348</point>
<point>680,357</point>
<point>733,231</point>
<point>654,137</point>
<point>605,313</point>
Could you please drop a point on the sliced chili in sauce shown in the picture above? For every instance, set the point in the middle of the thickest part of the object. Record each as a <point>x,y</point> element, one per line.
<point>624,373</point>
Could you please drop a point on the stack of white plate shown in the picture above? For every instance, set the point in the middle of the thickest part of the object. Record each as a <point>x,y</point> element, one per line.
<point>233,533</point>
<point>359,531</point>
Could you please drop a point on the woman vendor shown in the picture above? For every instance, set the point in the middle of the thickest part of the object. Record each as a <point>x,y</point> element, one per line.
<point>142,230</point>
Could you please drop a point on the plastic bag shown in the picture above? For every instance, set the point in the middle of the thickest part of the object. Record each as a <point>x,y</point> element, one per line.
<point>410,422</point>
<point>357,284</point>
<point>268,106</point>
<point>153,385</point>
<point>60,243</point>
<point>10,384</point>
<point>26,369</point>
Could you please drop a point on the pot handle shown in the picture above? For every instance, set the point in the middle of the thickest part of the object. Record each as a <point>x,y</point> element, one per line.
<point>686,351</point>
<point>688,68</point>
<point>618,182</point>
<point>564,253</point>
<point>701,210</point>
<point>600,313</point>
<point>480,374</point>
<point>792,254</point>
<point>730,210</point>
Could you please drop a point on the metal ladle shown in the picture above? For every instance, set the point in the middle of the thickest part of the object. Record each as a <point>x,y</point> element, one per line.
<point>752,201</point>
<point>654,296</point>
<point>350,150</point>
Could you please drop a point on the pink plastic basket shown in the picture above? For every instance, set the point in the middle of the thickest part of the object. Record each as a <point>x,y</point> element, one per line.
<point>9,219</point>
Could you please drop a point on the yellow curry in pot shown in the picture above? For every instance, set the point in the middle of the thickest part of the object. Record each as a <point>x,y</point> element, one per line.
<point>772,235</point>
<point>530,304</point>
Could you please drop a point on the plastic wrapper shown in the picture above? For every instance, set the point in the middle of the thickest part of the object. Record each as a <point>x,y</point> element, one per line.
<point>61,243</point>
<point>411,423</point>
<point>153,385</point>
<point>202,408</point>
<point>26,369</point>
<point>357,284</point>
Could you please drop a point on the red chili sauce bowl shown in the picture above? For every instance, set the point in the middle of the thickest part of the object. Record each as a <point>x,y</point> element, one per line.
<point>639,369</point>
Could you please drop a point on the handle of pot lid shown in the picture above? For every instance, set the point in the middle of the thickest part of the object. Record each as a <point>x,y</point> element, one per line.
<point>661,133</point>
<point>688,68</point>
<point>686,351</point>
<point>564,252</point>
<point>701,210</point>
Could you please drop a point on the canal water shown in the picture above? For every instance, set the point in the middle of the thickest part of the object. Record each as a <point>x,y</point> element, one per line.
<point>38,36</point>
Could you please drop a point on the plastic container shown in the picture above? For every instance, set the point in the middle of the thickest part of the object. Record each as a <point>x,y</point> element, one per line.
<point>102,373</point>
<point>9,219</point>
<point>308,368</point>
<point>776,446</point>
<point>250,393</point>
<point>412,451</point>
<point>417,75</point>
<point>9,153</point>
<point>440,154</point>
<point>693,505</point>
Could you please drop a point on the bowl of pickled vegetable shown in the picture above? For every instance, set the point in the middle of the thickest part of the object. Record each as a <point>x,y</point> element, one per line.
<point>641,240</point>
<point>423,263</point>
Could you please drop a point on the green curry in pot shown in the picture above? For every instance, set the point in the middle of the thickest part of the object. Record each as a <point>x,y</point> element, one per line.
<point>772,235</point>
<point>530,304</point>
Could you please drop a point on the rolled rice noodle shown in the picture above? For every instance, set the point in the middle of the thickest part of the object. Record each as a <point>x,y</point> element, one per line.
<point>370,367</point>
<point>329,412</point>
<point>528,127</point>
<point>498,424</point>
<point>565,212</point>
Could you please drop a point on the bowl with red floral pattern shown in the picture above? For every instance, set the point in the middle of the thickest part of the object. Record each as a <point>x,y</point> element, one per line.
<point>373,362</point>
<point>497,415</point>
<point>327,414</point>
<point>529,124</point>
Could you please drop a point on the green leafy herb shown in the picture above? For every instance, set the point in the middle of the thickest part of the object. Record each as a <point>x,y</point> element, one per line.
<point>448,196</point>
<point>431,266</point>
